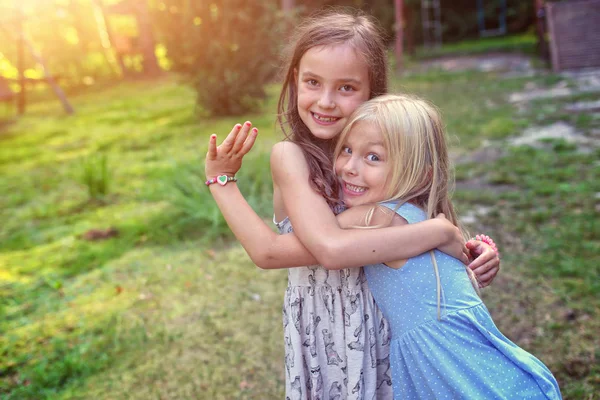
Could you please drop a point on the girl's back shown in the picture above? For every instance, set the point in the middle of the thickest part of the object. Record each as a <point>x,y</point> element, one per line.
<point>408,296</point>
<point>463,354</point>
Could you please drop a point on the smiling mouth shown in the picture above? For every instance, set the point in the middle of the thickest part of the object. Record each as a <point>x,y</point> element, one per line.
<point>324,119</point>
<point>353,189</point>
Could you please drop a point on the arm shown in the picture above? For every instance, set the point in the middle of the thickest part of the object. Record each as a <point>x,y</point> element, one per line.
<point>266,248</point>
<point>339,248</point>
<point>269,250</point>
<point>334,247</point>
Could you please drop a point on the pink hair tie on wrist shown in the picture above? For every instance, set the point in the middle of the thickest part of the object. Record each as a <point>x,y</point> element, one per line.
<point>488,240</point>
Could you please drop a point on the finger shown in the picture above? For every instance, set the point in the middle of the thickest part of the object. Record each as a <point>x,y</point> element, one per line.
<point>249,141</point>
<point>486,279</point>
<point>481,259</point>
<point>212,147</point>
<point>229,141</point>
<point>464,259</point>
<point>473,245</point>
<point>241,137</point>
<point>484,268</point>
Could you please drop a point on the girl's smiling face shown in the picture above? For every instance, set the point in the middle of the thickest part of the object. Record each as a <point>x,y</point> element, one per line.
<point>363,166</point>
<point>332,82</point>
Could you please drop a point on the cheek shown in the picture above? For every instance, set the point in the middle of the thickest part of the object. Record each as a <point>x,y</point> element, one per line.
<point>353,104</point>
<point>304,98</point>
<point>384,179</point>
<point>338,166</point>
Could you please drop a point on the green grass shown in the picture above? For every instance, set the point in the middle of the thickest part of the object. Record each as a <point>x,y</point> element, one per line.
<point>171,308</point>
<point>523,43</point>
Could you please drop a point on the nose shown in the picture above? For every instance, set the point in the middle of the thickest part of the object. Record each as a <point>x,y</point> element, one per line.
<point>326,100</point>
<point>350,167</point>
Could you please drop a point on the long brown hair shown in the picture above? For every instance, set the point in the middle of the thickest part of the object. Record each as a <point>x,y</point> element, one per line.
<point>334,27</point>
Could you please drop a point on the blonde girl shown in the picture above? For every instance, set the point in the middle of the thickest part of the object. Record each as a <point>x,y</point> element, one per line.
<point>336,340</point>
<point>444,343</point>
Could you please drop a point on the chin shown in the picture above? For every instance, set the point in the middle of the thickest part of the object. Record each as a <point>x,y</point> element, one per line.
<point>323,134</point>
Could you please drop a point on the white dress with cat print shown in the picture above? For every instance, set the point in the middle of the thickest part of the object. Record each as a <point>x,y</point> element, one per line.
<point>336,339</point>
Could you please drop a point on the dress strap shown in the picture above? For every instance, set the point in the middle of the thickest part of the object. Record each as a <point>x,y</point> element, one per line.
<point>411,213</point>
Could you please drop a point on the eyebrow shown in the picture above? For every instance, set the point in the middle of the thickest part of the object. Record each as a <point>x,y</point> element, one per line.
<point>376,144</point>
<point>346,80</point>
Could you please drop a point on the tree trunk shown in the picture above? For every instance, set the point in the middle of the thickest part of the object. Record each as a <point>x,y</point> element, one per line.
<point>57,90</point>
<point>399,35</point>
<point>409,29</point>
<point>147,43</point>
<point>540,21</point>
<point>111,41</point>
<point>20,59</point>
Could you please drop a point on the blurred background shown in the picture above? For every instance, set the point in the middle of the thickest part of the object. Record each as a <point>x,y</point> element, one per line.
<point>119,279</point>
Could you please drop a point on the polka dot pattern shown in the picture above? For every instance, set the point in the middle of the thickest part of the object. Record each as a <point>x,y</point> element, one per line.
<point>461,356</point>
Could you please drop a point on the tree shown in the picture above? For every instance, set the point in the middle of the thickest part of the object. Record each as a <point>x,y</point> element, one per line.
<point>226,48</point>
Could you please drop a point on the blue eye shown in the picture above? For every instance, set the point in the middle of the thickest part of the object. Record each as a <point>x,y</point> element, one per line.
<point>346,150</point>
<point>373,157</point>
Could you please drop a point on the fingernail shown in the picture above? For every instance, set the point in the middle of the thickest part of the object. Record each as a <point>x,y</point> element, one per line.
<point>248,123</point>
<point>254,130</point>
<point>213,136</point>
<point>238,126</point>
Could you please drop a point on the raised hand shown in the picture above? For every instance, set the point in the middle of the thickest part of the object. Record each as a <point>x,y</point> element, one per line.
<point>486,263</point>
<point>226,159</point>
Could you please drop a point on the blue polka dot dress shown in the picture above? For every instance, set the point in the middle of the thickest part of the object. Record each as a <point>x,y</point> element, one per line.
<point>461,356</point>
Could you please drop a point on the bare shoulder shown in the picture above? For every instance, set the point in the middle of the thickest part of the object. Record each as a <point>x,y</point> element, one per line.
<point>285,149</point>
<point>288,162</point>
<point>380,217</point>
<point>383,216</point>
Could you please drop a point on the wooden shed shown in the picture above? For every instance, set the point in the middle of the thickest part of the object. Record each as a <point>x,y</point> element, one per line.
<point>574,34</point>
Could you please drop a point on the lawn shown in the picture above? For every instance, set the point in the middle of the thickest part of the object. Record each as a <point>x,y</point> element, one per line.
<point>140,292</point>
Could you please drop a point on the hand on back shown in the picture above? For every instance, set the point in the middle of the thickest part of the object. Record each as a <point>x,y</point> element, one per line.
<point>486,263</point>
<point>455,246</point>
<point>226,159</point>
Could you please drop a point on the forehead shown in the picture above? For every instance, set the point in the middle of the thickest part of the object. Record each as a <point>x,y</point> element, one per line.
<point>334,62</point>
<point>365,132</point>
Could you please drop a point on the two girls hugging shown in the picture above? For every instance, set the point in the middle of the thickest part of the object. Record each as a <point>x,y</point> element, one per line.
<point>385,313</point>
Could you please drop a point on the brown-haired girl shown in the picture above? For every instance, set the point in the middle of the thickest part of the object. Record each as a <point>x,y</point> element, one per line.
<point>336,340</point>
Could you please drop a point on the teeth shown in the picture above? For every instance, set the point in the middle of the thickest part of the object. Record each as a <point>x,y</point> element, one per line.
<point>352,188</point>
<point>325,119</point>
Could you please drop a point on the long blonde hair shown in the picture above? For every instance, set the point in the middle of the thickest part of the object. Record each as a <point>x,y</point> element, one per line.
<point>415,141</point>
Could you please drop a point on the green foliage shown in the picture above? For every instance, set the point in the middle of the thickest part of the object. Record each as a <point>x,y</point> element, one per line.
<point>517,43</point>
<point>556,206</point>
<point>159,312</point>
<point>226,48</point>
<point>64,34</point>
<point>95,175</point>
<point>192,199</point>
